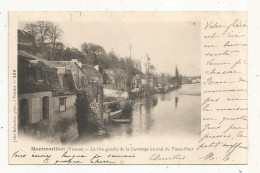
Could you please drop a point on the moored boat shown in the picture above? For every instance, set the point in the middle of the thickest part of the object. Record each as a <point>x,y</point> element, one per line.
<point>121,120</point>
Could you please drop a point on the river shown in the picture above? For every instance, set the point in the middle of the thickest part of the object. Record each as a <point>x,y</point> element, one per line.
<point>173,114</point>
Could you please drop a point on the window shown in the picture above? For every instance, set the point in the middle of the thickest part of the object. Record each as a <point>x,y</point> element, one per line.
<point>45,108</point>
<point>62,104</point>
<point>24,115</point>
<point>65,83</point>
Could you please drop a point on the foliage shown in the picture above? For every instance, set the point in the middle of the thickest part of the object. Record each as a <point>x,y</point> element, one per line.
<point>82,111</point>
<point>44,31</point>
<point>63,125</point>
<point>178,77</point>
<point>93,53</point>
<point>87,120</point>
<point>46,35</point>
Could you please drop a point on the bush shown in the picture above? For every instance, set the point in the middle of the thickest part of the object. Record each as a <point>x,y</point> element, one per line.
<point>63,125</point>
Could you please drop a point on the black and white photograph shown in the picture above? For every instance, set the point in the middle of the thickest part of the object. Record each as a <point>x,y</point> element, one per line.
<point>128,88</point>
<point>80,82</point>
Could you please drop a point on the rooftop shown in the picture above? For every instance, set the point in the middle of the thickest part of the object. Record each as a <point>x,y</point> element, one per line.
<point>90,70</point>
<point>28,83</point>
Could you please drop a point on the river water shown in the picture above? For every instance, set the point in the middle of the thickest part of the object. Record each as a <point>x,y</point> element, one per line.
<point>173,114</point>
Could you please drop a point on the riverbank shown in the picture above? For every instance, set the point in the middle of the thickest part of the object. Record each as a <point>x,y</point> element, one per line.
<point>173,114</point>
<point>151,91</point>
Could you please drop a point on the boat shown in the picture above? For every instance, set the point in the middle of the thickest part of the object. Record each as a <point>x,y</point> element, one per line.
<point>115,114</point>
<point>121,120</point>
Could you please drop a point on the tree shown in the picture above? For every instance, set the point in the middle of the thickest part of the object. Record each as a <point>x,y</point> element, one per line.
<point>31,28</point>
<point>43,28</point>
<point>45,31</point>
<point>113,60</point>
<point>152,69</point>
<point>137,65</point>
<point>92,48</point>
<point>176,72</point>
<point>178,77</point>
<point>39,30</point>
<point>94,53</point>
<point>54,33</point>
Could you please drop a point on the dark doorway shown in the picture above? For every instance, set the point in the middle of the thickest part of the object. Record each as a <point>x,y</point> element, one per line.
<point>45,108</point>
<point>24,116</point>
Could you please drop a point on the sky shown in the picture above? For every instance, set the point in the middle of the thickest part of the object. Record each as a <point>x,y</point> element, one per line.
<point>168,44</point>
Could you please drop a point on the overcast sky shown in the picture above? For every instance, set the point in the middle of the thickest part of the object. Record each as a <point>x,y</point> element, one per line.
<point>167,43</point>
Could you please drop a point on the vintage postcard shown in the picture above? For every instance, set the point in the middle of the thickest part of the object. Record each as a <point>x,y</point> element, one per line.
<point>128,87</point>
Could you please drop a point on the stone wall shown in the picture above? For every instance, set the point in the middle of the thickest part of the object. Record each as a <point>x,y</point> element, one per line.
<point>35,105</point>
<point>59,127</point>
<point>95,97</point>
<point>64,124</point>
<point>70,111</point>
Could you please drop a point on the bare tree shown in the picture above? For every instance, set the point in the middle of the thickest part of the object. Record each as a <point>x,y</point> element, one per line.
<point>45,31</point>
<point>43,28</point>
<point>31,28</point>
<point>53,34</point>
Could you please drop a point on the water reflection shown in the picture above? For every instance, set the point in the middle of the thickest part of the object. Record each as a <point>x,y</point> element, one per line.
<point>156,115</point>
<point>176,101</point>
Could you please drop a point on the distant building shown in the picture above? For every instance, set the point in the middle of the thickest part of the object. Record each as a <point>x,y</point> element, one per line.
<point>115,79</point>
<point>25,38</point>
<point>26,41</point>
<point>86,79</point>
<point>190,80</point>
<point>78,74</point>
<point>193,81</point>
<point>198,80</point>
<point>144,81</point>
<point>137,81</point>
<point>92,74</point>
<point>152,80</point>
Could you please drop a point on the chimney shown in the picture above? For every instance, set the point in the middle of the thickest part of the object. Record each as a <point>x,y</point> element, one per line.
<point>33,63</point>
<point>96,67</point>
<point>80,64</point>
<point>75,60</point>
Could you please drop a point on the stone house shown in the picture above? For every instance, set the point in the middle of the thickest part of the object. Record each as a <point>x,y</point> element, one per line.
<point>86,79</point>
<point>93,75</point>
<point>25,38</point>
<point>93,91</point>
<point>115,79</point>
<point>46,97</point>
<point>137,81</point>
<point>75,66</point>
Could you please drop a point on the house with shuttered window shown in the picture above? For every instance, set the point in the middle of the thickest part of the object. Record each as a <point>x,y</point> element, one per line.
<point>46,94</point>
